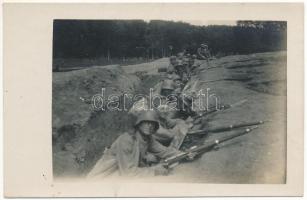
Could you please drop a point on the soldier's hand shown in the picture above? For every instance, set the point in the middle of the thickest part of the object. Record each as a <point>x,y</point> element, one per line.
<point>150,158</point>
<point>191,156</point>
<point>160,170</point>
<point>216,148</point>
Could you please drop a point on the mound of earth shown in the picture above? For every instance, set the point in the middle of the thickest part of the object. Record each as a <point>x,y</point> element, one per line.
<point>80,132</point>
<point>260,156</point>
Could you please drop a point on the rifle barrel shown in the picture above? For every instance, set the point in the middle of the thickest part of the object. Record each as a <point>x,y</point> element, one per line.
<point>225,128</point>
<point>204,148</point>
<point>230,127</point>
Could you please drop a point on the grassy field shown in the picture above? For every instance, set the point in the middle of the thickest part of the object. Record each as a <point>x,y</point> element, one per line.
<point>69,64</point>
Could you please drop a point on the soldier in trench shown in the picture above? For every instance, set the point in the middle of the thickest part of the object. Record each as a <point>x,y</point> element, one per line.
<point>203,53</point>
<point>182,70</point>
<point>193,64</point>
<point>132,153</point>
<point>172,126</point>
<point>172,64</point>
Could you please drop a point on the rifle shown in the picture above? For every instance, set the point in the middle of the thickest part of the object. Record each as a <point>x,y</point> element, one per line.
<point>87,101</point>
<point>173,161</point>
<point>180,138</point>
<point>224,128</point>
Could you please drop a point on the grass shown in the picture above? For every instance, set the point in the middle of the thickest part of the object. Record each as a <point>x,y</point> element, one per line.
<point>69,64</point>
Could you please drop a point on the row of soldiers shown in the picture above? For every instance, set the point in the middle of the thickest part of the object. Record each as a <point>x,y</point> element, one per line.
<point>157,134</point>
<point>182,65</point>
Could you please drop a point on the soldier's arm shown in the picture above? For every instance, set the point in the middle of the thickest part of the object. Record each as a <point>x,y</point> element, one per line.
<point>208,54</point>
<point>199,53</point>
<point>127,156</point>
<point>162,151</point>
<point>164,133</point>
<point>170,69</point>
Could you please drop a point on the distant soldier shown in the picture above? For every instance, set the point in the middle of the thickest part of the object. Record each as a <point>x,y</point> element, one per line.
<point>193,63</point>
<point>166,93</point>
<point>132,152</point>
<point>203,53</point>
<point>170,47</point>
<point>180,55</point>
<point>168,87</point>
<point>186,63</point>
<point>172,64</point>
<point>187,55</point>
<point>178,83</point>
<point>182,70</point>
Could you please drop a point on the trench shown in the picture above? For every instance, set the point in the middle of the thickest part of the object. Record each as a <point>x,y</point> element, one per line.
<point>76,147</point>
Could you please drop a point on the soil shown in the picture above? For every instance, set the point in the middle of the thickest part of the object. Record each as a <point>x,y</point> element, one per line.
<point>81,134</point>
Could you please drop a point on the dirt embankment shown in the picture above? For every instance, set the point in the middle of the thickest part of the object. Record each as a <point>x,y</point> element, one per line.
<point>80,132</point>
<point>259,157</point>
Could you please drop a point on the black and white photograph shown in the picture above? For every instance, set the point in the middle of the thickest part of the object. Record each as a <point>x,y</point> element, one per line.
<point>175,101</point>
<point>153,100</point>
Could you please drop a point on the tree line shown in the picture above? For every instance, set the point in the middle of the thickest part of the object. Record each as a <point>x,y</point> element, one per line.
<point>154,39</point>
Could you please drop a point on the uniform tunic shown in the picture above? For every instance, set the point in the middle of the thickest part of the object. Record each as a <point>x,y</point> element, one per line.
<point>127,156</point>
<point>203,53</point>
<point>171,69</point>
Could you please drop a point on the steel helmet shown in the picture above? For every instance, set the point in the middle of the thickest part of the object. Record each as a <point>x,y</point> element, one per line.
<point>168,85</point>
<point>204,45</point>
<point>176,77</point>
<point>185,61</point>
<point>179,63</point>
<point>172,58</point>
<point>150,116</point>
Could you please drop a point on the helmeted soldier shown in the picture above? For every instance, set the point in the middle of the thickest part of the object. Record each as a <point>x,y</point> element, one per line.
<point>177,82</point>
<point>182,71</point>
<point>165,93</point>
<point>168,87</point>
<point>187,55</point>
<point>180,55</point>
<point>185,61</point>
<point>171,126</point>
<point>171,66</point>
<point>203,53</point>
<point>132,152</point>
<point>165,87</point>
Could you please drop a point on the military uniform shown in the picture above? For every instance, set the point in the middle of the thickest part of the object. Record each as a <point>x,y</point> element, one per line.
<point>182,71</point>
<point>203,53</point>
<point>171,66</point>
<point>172,128</point>
<point>193,64</point>
<point>128,155</point>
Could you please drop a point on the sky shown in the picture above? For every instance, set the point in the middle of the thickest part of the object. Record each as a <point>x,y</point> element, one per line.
<point>205,22</point>
<point>210,22</point>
